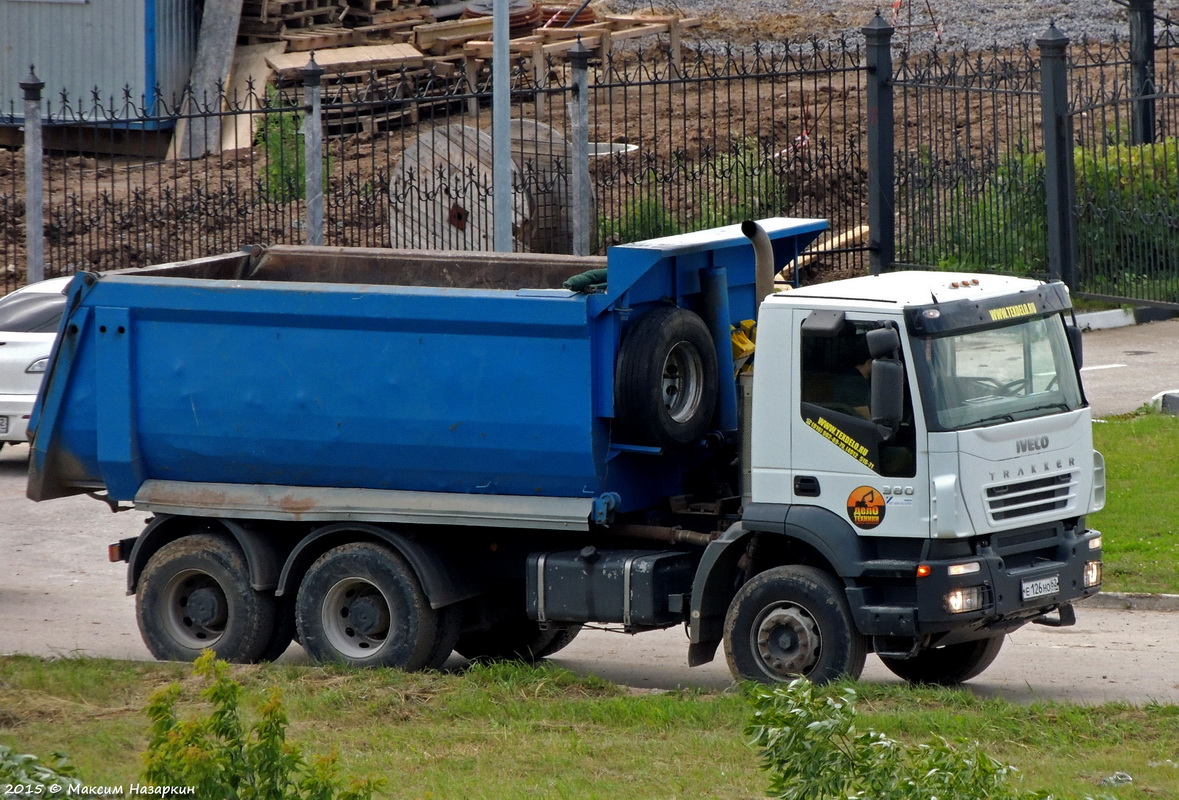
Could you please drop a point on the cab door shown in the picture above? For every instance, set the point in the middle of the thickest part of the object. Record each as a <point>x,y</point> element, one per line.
<point>840,459</point>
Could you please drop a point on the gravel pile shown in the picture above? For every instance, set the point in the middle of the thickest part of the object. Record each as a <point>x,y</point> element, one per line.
<point>920,24</point>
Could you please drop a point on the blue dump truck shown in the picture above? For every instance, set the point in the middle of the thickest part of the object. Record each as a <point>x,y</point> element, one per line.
<point>390,456</point>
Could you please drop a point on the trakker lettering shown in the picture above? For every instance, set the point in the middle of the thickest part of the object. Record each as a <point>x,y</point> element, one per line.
<point>1013,312</point>
<point>1034,469</point>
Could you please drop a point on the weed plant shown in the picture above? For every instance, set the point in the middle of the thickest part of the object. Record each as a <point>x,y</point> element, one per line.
<point>510,730</point>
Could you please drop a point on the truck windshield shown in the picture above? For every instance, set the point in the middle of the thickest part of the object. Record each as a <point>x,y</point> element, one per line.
<point>987,377</point>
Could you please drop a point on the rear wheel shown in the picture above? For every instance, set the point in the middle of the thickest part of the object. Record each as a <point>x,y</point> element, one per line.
<point>195,594</point>
<point>361,604</point>
<point>947,666</point>
<point>791,622</point>
<point>284,630</point>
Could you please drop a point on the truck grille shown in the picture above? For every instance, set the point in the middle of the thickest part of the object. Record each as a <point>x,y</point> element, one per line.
<point>1028,498</point>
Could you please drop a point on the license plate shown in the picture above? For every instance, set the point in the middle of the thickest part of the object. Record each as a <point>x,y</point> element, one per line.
<point>3,424</point>
<point>1041,587</point>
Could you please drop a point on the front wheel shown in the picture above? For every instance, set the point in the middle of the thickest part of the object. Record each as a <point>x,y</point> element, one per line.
<point>361,604</point>
<point>791,622</point>
<point>195,594</point>
<point>949,665</point>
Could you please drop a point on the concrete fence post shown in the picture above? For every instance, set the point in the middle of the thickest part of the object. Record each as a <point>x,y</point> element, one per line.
<point>580,200</point>
<point>881,173</point>
<point>34,180</point>
<point>313,150</point>
<point>1058,155</point>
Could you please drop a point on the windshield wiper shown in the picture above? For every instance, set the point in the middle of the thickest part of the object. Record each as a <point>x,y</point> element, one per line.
<point>1047,406</point>
<point>1009,416</point>
<point>993,418</point>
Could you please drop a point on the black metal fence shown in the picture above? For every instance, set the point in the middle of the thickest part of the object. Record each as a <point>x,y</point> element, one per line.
<point>713,138</point>
<point>1058,159</point>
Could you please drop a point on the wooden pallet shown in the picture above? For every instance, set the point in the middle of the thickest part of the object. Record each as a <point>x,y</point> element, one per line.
<point>279,10</point>
<point>599,35</point>
<point>350,59</point>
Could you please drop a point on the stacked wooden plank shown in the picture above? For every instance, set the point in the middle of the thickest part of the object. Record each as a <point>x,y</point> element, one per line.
<point>319,24</point>
<point>378,54</point>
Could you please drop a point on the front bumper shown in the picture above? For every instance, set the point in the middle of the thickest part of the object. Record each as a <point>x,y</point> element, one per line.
<point>1020,576</point>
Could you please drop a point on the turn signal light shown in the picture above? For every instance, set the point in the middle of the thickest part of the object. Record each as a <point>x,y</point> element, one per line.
<point>923,570</point>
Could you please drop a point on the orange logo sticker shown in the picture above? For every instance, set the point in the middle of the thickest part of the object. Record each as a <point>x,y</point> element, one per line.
<point>865,507</point>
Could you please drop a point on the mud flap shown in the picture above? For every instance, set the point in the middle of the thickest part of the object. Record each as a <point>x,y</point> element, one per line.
<point>1065,617</point>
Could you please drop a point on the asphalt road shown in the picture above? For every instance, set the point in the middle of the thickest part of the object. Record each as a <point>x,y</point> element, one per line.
<point>60,596</point>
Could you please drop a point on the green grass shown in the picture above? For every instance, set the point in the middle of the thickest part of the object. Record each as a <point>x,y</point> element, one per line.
<point>1140,522</point>
<point>507,731</point>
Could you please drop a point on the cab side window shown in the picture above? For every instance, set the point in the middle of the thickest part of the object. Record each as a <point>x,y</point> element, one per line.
<point>836,392</point>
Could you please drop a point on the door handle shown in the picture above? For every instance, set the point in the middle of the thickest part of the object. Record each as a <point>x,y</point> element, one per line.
<point>806,486</point>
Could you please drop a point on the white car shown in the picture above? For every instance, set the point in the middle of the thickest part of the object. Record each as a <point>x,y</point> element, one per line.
<point>28,325</point>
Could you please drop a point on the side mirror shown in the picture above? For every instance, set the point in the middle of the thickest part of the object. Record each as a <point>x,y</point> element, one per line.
<point>1074,344</point>
<point>883,342</point>
<point>888,395</point>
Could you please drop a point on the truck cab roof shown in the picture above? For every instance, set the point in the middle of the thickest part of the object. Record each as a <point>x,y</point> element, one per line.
<point>909,288</point>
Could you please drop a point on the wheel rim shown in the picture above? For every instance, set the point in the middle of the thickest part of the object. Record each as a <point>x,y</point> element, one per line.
<point>787,640</point>
<point>356,618</point>
<point>683,382</point>
<point>196,609</point>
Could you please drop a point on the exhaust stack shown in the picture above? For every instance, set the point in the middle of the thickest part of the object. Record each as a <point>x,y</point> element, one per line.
<point>764,253</point>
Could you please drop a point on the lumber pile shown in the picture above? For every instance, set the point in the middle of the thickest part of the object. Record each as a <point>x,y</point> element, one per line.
<point>321,24</point>
<point>381,51</point>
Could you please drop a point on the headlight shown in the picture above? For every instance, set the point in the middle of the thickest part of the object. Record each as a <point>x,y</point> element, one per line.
<point>1092,573</point>
<point>969,568</point>
<point>959,601</point>
<point>40,365</point>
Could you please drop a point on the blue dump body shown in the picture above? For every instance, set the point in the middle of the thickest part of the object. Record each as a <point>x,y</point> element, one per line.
<point>232,376</point>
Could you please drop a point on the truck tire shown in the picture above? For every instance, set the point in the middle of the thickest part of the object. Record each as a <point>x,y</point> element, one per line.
<point>361,604</point>
<point>791,622</point>
<point>516,640</point>
<point>949,665</point>
<point>666,378</point>
<point>284,630</point>
<point>450,622</point>
<point>195,594</point>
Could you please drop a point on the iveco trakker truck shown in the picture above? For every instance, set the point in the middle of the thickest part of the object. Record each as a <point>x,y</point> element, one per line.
<point>391,455</point>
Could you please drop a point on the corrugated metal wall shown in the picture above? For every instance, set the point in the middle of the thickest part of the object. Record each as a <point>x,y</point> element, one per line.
<point>104,44</point>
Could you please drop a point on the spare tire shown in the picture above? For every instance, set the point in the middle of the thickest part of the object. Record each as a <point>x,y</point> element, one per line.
<point>665,379</point>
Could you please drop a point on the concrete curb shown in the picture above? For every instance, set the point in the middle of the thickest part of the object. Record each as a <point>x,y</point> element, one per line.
<point>1130,601</point>
<point>1121,318</point>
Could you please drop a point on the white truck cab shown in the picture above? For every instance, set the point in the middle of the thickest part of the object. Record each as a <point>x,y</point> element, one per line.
<point>923,436</point>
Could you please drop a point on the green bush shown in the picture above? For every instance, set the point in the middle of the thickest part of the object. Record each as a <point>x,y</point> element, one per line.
<point>743,184</point>
<point>812,749</point>
<point>37,779</point>
<point>643,217</point>
<point>281,137</point>
<point>219,755</point>
<point>1127,205</point>
<point>723,189</point>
